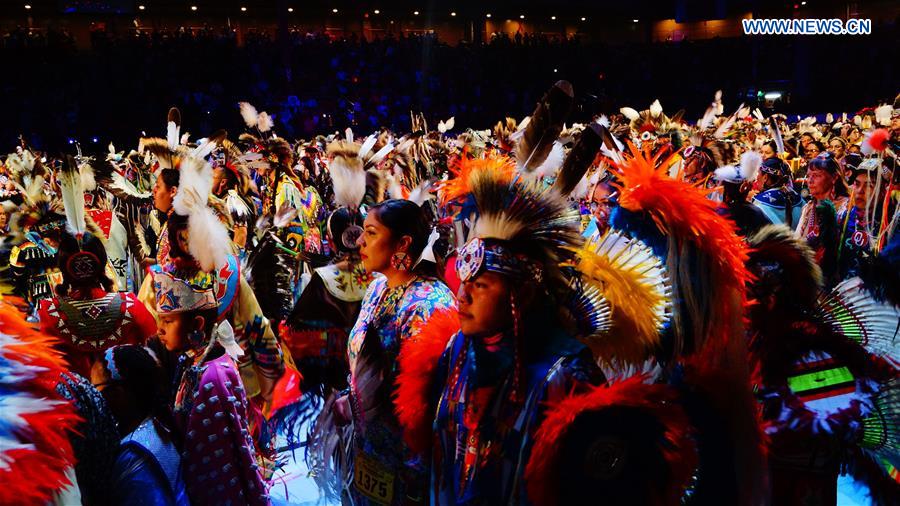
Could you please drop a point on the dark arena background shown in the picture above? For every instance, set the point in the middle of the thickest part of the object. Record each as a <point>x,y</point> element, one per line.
<point>95,70</point>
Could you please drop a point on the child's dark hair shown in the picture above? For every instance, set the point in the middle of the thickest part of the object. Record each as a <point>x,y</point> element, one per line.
<point>141,374</point>
<point>83,265</point>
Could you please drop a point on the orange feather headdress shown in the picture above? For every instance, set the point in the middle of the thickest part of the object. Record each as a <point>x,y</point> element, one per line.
<point>706,259</point>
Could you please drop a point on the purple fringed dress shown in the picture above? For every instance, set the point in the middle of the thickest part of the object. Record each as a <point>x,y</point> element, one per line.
<point>219,460</point>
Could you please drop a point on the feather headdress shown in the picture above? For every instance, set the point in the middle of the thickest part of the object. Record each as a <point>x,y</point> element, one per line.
<point>530,227</point>
<point>534,139</point>
<point>73,196</point>
<point>208,240</point>
<point>634,282</point>
<point>704,255</point>
<point>347,174</point>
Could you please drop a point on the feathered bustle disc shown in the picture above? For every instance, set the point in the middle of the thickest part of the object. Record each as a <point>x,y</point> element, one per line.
<point>635,284</point>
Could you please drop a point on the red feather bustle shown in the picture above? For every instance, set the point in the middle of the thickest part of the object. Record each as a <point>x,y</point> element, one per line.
<point>416,364</point>
<point>34,472</point>
<point>656,400</point>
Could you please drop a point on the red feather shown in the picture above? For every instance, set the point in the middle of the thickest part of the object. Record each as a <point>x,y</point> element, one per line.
<point>879,139</point>
<point>34,474</point>
<point>415,374</point>
<point>659,401</point>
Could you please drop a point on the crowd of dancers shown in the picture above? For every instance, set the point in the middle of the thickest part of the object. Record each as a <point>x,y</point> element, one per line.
<point>640,309</point>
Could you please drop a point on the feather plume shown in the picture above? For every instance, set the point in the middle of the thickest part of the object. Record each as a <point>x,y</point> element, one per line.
<point>380,154</point>
<point>72,196</point>
<point>208,240</point>
<point>655,108</point>
<point>367,145</point>
<point>347,174</point>
<point>758,114</point>
<point>446,126</point>
<point>422,193</point>
<point>629,113</point>
<point>634,282</point>
<point>551,165</point>
<point>416,365</point>
<point>883,114</point>
<point>464,172</point>
<point>194,185</point>
<point>249,113</point>
<point>535,139</point>
<point>160,149</point>
<point>376,186</point>
<point>88,182</point>
<point>829,118</point>
<point>725,127</point>
<point>657,434</point>
<point>173,128</point>
<point>746,171</point>
<point>265,122</point>
<point>776,134</point>
<point>580,158</point>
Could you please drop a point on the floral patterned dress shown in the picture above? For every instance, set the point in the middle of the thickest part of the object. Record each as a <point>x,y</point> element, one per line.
<point>385,470</point>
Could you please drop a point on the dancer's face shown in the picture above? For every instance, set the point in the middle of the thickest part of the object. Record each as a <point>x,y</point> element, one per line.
<point>820,183</point>
<point>163,195</point>
<point>377,245</point>
<point>173,331</point>
<point>766,152</point>
<point>484,305</point>
<point>862,187</point>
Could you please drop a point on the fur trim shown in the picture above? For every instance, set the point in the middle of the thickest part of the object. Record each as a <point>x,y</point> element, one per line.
<point>657,402</point>
<point>415,377</point>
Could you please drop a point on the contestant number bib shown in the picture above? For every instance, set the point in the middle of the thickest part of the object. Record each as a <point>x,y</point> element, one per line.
<point>373,480</point>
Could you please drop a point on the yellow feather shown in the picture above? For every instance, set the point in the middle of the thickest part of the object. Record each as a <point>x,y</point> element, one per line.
<point>634,282</point>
